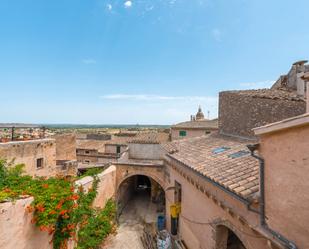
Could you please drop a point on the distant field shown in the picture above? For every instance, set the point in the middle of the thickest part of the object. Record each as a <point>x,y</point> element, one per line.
<point>109,126</point>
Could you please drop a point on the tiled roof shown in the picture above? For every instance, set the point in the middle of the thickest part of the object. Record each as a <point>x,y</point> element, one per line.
<point>85,144</point>
<point>198,124</point>
<point>237,174</point>
<point>142,138</point>
<point>121,140</point>
<point>270,94</point>
<point>151,138</point>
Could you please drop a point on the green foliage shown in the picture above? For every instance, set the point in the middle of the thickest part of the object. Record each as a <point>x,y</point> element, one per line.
<point>92,172</point>
<point>96,228</point>
<point>57,207</point>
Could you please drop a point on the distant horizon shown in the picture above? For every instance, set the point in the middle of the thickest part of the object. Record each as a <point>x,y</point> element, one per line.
<point>85,124</point>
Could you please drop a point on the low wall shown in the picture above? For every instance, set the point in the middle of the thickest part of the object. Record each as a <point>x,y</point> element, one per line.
<point>106,188</point>
<point>16,229</point>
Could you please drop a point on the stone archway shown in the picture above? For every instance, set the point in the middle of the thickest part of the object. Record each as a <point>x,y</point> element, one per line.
<point>228,238</point>
<point>135,184</point>
<point>125,171</point>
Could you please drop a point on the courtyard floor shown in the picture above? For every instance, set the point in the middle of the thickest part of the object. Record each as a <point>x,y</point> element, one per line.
<point>136,214</point>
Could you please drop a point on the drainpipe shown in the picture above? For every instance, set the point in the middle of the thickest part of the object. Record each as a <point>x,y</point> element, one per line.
<point>288,244</point>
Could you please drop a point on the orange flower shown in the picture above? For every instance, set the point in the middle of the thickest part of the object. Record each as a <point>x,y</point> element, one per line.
<point>63,212</point>
<point>45,185</point>
<point>7,190</point>
<point>29,209</point>
<point>70,226</point>
<point>75,197</point>
<point>59,205</point>
<point>43,228</point>
<point>52,212</point>
<point>40,208</point>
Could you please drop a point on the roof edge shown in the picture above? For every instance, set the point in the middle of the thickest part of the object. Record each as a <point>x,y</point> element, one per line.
<point>296,121</point>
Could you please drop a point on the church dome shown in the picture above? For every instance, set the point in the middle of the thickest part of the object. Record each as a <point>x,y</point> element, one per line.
<point>199,114</point>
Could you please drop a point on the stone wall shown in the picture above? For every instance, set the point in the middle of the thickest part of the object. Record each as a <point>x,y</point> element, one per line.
<point>66,147</point>
<point>27,152</point>
<point>240,113</point>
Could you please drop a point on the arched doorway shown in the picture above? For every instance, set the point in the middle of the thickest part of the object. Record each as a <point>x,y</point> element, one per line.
<point>227,239</point>
<point>143,195</point>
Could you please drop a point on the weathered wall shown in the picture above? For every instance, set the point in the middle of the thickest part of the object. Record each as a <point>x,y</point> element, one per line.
<point>286,155</point>
<point>16,229</point>
<point>112,148</point>
<point>190,133</point>
<point>84,155</point>
<point>204,208</point>
<point>66,147</point>
<point>28,152</point>
<point>239,113</point>
<point>145,151</point>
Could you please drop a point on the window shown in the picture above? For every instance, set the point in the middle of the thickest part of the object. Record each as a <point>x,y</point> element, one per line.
<point>118,149</point>
<point>182,133</point>
<point>39,163</point>
<point>239,154</point>
<point>87,152</point>
<point>207,132</point>
<point>219,150</point>
<point>87,161</point>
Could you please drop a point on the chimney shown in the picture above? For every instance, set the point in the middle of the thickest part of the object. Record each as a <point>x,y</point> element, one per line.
<point>305,78</point>
<point>300,71</point>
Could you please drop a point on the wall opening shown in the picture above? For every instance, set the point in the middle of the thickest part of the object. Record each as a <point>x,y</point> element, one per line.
<point>141,197</point>
<point>233,242</point>
<point>227,239</point>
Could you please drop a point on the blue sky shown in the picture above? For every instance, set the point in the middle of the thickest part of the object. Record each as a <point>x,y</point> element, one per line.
<point>140,61</point>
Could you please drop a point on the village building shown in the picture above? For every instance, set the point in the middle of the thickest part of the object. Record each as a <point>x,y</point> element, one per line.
<point>41,156</point>
<point>98,153</point>
<point>196,127</point>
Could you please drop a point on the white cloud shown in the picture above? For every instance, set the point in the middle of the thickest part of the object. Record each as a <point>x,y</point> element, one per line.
<point>128,4</point>
<point>217,34</point>
<point>147,97</point>
<point>258,84</point>
<point>89,61</point>
<point>109,7</point>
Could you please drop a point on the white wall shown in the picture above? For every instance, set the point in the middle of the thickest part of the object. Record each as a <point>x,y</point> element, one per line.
<point>146,151</point>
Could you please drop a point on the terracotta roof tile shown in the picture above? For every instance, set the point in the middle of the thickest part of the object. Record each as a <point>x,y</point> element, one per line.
<point>198,124</point>
<point>240,174</point>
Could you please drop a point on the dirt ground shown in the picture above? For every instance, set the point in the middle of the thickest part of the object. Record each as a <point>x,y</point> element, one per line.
<point>131,224</point>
